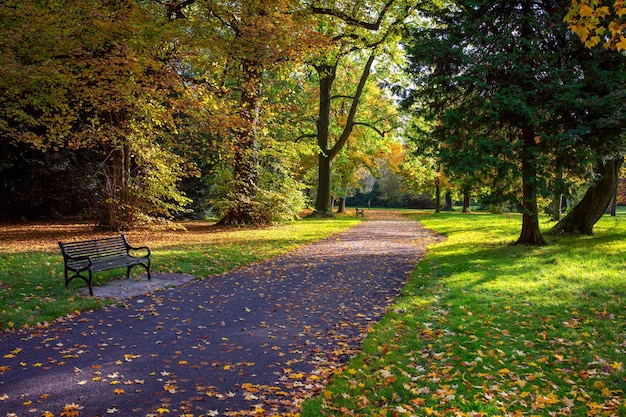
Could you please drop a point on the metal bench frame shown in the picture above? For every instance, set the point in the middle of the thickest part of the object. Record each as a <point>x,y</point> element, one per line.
<point>100,255</point>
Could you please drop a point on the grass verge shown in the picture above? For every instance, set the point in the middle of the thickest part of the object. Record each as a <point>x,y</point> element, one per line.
<point>485,328</point>
<point>32,288</point>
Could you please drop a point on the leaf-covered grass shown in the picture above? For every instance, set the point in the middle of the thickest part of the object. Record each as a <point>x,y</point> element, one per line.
<point>32,288</point>
<point>486,328</point>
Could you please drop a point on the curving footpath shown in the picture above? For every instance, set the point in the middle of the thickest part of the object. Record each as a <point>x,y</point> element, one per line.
<point>254,341</point>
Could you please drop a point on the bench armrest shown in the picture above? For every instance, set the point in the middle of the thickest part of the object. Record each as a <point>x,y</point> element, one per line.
<point>67,258</point>
<point>139,248</point>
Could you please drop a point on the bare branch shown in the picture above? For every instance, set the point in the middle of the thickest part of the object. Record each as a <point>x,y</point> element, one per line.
<point>175,8</point>
<point>373,26</point>
<point>374,128</point>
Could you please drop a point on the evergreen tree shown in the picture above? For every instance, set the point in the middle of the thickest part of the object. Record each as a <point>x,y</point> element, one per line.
<point>511,91</point>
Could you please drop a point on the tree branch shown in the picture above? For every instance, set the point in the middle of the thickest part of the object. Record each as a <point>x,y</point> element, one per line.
<point>374,128</point>
<point>353,108</point>
<point>175,8</point>
<point>373,26</point>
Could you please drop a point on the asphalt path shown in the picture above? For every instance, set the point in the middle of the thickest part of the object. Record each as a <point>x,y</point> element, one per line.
<point>254,341</point>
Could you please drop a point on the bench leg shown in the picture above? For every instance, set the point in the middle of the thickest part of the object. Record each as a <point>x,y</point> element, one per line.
<point>69,279</point>
<point>147,266</point>
<point>89,284</point>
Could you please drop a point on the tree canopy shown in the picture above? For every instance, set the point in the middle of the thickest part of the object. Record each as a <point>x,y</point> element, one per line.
<point>514,96</point>
<point>249,111</point>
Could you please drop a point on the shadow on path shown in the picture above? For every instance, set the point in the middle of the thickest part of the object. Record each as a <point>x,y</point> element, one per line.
<point>257,340</point>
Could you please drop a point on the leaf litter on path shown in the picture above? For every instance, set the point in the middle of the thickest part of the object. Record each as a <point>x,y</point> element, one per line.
<point>255,341</point>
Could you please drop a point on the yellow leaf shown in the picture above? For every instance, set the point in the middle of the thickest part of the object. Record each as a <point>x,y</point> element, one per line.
<point>593,41</point>
<point>603,11</point>
<point>621,45</point>
<point>586,11</point>
<point>581,31</point>
<point>118,391</point>
<point>71,410</point>
<point>615,27</point>
<point>328,395</point>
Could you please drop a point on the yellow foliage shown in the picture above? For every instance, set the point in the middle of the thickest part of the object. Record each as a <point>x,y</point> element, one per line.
<point>585,11</point>
<point>621,45</point>
<point>587,16</point>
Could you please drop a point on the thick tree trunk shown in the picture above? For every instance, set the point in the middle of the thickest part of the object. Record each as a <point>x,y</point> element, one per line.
<point>244,208</point>
<point>594,203</point>
<point>530,234</point>
<point>323,201</point>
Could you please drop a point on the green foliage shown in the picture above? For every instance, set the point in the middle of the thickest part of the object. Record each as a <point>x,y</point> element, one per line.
<point>510,93</point>
<point>94,75</point>
<point>486,328</point>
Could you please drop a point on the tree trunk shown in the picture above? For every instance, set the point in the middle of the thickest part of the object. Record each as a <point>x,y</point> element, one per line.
<point>556,206</point>
<point>342,205</point>
<point>448,201</point>
<point>614,201</point>
<point>323,201</point>
<point>466,201</point>
<point>117,208</point>
<point>530,234</point>
<point>244,208</point>
<point>437,197</point>
<point>327,74</point>
<point>594,203</point>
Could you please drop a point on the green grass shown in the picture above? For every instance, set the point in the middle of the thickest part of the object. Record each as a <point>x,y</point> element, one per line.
<point>32,290</point>
<point>486,328</point>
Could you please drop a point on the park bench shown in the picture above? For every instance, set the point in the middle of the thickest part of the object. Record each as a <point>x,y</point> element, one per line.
<point>100,255</point>
<point>359,212</point>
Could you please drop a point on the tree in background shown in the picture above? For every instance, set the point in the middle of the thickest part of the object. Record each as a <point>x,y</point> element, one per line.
<point>363,26</point>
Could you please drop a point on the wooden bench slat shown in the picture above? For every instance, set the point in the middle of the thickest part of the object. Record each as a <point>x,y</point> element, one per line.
<point>100,255</point>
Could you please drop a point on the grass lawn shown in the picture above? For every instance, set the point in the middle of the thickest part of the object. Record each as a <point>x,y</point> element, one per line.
<point>32,287</point>
<point>485,328</point>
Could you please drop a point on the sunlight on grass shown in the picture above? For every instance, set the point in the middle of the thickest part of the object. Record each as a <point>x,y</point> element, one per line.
<point>32,288</point>
<point>486,328</point>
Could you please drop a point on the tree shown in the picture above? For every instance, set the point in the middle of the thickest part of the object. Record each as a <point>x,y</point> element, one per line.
<point>235,46</point>
<point>97,75</point>
<point>594,23</point>
<point>351,31</point>
<point>594,203</point>
<point>510,89</point>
